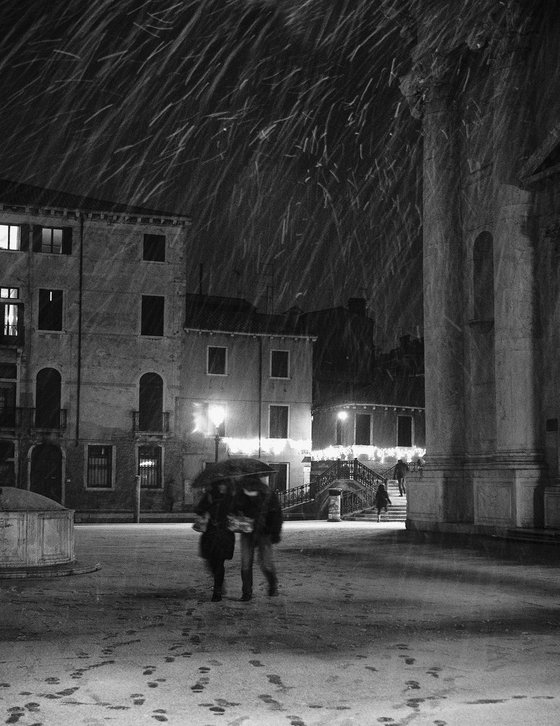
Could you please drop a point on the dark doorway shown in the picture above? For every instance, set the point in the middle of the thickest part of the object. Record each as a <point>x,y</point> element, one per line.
<point>151,403</point>
<point>47,399</point>
<point>46,471</point>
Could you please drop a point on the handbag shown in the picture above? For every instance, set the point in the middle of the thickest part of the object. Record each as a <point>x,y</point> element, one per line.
<point>240,523</point>
<point>200,524</point>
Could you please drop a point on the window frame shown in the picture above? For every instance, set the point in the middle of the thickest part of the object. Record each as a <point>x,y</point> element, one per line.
<point>112,461</point>
<point>9,248</point>
<point>49,247</point>
<point>287,357</point>
<point>159,485</point>
<point>226,359</point>
<point>282,406</point>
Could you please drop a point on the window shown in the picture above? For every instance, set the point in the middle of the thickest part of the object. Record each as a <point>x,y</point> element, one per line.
<point>404,431</point>
<point>7,403</point>
<point>53,240</point>
<point>154,248</point>
<point>339,432</point>
<point>279,364</point>
<point>10,237</point>
<point>47,399</point>
<point>278,422</point>
<point>99,467</point>
<point>153,308</point>
<point>279,481</point>
<point>149,466</point>
<point>11,316</point>
<point>50,309</point>
<point>7,463</point>
<point>150,403</point>
<point>216,364</point>
<point>363,429</point>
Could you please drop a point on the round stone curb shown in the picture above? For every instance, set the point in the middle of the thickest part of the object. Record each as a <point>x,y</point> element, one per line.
<point>70,568</point>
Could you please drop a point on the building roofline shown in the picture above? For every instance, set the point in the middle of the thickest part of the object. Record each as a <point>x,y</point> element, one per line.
<point>364,404</point>
<point>31,199</point>
<point>251,334</point>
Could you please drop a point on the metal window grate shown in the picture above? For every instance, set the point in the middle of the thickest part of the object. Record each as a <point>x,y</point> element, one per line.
<point>99,473</point>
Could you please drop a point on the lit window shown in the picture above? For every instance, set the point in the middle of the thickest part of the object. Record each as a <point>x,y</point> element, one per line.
<point>10,237</point>
<point>279,364</point>
<point>217,361</point>
<point>51,240</point>
<point>9,293</point>
<point>149,466</point>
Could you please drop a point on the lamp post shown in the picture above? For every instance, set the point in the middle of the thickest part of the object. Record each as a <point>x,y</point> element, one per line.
<point>217,415</point>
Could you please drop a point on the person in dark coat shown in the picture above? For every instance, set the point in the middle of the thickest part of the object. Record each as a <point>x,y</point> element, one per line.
<point>400,471</point>
<point>217,543</point>
<point>382,500</point>
<point>256,500</point>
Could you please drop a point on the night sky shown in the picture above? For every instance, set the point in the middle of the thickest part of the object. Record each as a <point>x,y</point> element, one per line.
<point>279,126</point>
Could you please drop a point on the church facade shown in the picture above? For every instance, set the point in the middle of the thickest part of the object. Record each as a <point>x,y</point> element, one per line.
<point>484,90</point>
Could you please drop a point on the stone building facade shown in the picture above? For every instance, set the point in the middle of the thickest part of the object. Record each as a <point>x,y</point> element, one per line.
<point>92,304</point>
<point>107,374</point>
<point>485,90</point>
<point>258,369</point>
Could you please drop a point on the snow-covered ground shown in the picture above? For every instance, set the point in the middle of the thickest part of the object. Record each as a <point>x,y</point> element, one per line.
<point>370,627</point>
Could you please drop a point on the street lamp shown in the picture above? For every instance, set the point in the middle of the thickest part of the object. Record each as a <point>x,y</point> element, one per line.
<point>342,415</point>
<point>217,415</point>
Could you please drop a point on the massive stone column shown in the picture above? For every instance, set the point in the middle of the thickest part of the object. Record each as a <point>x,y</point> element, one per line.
<point>517,407</point>
<point>440,496</point>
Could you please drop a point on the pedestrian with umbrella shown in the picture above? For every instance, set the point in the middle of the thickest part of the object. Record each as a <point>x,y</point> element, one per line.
<point>256,501</point>
<point>216,507</point>
<point>217,542</point>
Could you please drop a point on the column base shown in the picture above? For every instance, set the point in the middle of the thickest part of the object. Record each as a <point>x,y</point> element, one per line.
<point>489,495</point>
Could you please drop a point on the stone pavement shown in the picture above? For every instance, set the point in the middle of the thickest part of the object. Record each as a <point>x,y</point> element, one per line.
<point>371,627</point>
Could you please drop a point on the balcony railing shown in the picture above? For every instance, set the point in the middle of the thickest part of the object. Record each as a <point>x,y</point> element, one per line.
<point>156,425</point>
<point>27,419</point>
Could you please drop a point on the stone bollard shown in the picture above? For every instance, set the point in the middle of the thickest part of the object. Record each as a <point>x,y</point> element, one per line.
<point>335,496</point>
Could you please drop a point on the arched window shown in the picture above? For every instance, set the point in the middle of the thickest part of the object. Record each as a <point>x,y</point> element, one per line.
<point>47,399</point>
<point>483,277</point>
<point>150,403</point>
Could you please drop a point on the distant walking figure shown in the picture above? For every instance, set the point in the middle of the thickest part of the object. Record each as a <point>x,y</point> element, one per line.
<point>217,542</point>
<point>401,468</point>
<point>256,500</point>
<point>381,500</point>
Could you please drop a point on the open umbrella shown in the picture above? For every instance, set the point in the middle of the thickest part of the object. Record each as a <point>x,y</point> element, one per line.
<point>233,469</point>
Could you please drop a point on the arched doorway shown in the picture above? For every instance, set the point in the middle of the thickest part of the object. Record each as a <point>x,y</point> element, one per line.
<point>46,471</point>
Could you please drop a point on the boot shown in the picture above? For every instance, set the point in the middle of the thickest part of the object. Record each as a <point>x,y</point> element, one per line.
<point>216,596</point>
<point>272,585</point>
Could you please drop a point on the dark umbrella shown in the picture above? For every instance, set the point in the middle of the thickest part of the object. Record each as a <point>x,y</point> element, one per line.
<point>233,469</point>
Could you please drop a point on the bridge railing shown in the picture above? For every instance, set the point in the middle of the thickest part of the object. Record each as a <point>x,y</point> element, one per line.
<point>341,469</point>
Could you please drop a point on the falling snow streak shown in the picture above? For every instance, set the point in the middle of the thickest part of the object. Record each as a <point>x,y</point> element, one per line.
<point>280,126</point>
